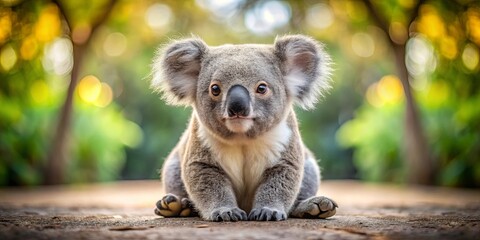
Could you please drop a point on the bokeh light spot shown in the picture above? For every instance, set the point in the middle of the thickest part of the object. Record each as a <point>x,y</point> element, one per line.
<point>473,24</point>
<point>448,47</point>
<point>407,3</point>
<point>398,32</point>
<point>89,88</point>
<point>430,23</point>
<point>5,25</point>
<point>470,56</point>
<point>105,96</point>
<point>420,59</point>
<point>158,16</point>
<point>115,44</point>
<point>8,57</point>
<point>267,16</point>
<point>48,26</point>
<point>58,56</point>
<point>221,8</point>
<point>363,44</point>
<point>390,89</point>
<point>420,83</point>
<point>29,48</point>
<point>92,91</point>
<point>320,16</point>
<point>81,33</point>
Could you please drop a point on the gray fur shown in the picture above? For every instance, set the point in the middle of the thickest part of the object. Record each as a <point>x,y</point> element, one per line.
<point>171,173</point>
<point>254,165</point>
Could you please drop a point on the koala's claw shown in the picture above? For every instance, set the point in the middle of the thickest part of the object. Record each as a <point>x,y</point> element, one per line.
<point>315,207</point>
<point>267,214</point>
<point>171,206</point>
<point>228,214</point>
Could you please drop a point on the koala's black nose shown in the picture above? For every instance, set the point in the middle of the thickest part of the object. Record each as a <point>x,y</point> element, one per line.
<point>238,101</point>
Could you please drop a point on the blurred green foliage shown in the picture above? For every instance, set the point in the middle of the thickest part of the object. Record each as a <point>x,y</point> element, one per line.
<point>376,134</point>
<point>447,92</point>
<point>122,130</point>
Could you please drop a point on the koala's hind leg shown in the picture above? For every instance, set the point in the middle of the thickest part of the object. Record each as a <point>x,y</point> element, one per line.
<point>175,203</point>
<point>307,204</point>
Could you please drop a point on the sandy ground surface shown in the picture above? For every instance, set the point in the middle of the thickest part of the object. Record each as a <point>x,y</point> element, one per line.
<point>124,210</point>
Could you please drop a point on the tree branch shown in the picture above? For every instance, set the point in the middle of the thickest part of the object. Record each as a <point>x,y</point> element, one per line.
<point>383,24</point>
<point>62,10</point>
<point>56,159</point>
<point>415,12</point>
<point>102,18</point>
<point>417,154</point>
<point>95,24</point>
<point>376,17</point>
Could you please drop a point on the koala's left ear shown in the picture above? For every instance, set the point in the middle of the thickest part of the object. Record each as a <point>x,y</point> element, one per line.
<point>305,66</point>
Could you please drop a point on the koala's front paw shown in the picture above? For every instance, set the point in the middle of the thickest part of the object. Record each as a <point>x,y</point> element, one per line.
<point>228,214</point>
<point>267,214</point>
<point>171,206</point>
<point>315,207</point>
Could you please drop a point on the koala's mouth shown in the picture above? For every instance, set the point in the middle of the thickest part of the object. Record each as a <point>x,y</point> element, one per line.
<point>237,118</point>
<point>239,124</point>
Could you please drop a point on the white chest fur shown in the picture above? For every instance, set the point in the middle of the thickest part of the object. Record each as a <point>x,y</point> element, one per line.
<point>245,160</point>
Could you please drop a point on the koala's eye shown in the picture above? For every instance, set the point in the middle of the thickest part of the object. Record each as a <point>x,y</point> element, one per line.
<point>262,88</point>
<point>215,90</point>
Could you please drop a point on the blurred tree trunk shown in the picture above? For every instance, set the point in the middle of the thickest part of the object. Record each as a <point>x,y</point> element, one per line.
<point>419,163</point>
<point>55,170</point>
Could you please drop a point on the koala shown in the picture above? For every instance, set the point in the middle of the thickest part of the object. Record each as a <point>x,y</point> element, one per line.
<point>241,156</point>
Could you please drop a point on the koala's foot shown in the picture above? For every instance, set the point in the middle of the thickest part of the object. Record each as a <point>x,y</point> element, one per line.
<point>315,207</point>
<point>267,214</point>
<point>228,214</point>
<point>171,206</point>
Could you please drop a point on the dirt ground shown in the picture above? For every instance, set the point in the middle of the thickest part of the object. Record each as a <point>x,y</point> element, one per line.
<point>124,210</point>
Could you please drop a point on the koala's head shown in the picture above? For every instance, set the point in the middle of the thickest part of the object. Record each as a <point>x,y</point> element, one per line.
<point>242,89</point>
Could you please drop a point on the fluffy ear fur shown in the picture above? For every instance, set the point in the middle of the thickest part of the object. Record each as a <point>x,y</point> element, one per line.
<point>306,68</point>
<point>176,69</point>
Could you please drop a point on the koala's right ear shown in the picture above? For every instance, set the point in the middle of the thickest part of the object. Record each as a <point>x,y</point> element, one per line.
<point>176,69</point>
